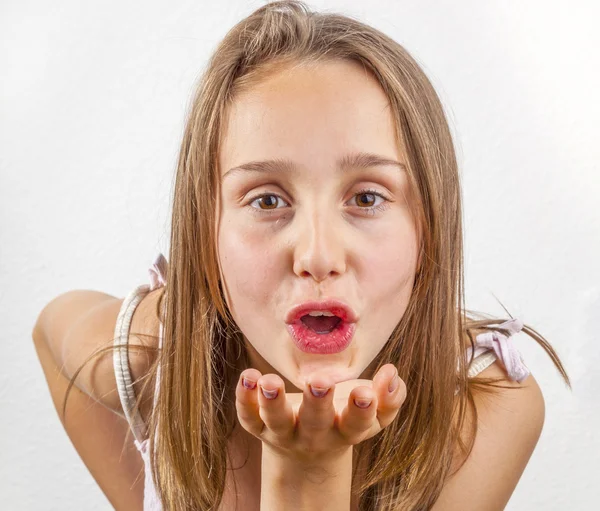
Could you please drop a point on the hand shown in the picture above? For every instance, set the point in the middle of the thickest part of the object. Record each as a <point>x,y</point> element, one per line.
<point>306,428</point>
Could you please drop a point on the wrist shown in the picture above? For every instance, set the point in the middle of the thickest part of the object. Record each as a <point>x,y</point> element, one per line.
<point>323,484</point>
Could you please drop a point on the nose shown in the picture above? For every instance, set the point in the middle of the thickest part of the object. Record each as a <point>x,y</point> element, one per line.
<point>319,249</point>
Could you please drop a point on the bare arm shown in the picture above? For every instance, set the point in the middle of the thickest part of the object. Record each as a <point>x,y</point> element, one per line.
<point>289,486</point>
<point>509,426</point>
<point>307,437</point>
<point>70,324</point>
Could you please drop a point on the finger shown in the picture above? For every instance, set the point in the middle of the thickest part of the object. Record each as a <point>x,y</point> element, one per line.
<point>389,401</point>
<point>316,413</point>
<point>274,408</point>
<point>246,402</point>
<point>358,419</point>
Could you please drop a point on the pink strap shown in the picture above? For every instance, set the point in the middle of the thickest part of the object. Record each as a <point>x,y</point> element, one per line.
<point>158,272</point>
<point>505,350</point>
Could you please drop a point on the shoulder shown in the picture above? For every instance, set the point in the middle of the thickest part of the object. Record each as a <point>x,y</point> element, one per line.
<point>528,398</point>
<point>515,413</point>
<point>509,425</point>
<point>79,328</point>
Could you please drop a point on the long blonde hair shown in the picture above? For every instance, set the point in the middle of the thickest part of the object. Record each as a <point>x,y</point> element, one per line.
<point>203,350</point>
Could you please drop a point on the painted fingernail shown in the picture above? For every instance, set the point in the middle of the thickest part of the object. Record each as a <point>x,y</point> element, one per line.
<point>318,391</point>
<point>362,403</point>
<point>249,384</point>
<point>269,394</point>
<point>394,384</point>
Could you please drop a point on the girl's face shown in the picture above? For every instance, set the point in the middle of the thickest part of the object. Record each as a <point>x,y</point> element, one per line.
<point>315,233</point>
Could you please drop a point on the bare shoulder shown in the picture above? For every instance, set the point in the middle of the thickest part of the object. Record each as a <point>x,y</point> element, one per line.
<point>69,331</point>
<point>529,396</point>
<point>78,323</point>
<point>509,425</point>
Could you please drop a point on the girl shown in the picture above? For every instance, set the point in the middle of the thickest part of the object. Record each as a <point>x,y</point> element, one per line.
<point>308,342</point>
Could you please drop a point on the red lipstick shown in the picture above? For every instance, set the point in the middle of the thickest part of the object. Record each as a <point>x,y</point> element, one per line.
<point>311,341</point>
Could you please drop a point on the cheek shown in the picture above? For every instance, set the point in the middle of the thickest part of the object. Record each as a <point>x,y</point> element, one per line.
<point>388,278</point>
<point>248,265</point>
<point>390,256</point>
<point>391,267</point>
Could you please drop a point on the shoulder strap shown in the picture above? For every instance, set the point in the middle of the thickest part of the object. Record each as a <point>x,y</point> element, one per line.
<point>120,356</point>
<point>494,345</point>
<point>121,361</point>
<point>481,362</point>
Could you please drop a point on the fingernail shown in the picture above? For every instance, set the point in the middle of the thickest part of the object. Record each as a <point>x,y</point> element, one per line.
<point>249,384</point>
<point>394,384</point>
<point>269,394</point>
<point>362,403</point>
<point>318,391</point>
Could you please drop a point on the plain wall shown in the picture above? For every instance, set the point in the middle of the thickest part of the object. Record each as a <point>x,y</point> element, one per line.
<point>93,97</point>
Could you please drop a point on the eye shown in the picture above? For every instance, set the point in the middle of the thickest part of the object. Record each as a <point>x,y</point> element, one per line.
<point>269,200</point>
<point>365,196</point>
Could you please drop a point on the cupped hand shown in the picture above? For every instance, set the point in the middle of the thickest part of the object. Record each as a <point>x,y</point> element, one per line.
<point>307,428</point>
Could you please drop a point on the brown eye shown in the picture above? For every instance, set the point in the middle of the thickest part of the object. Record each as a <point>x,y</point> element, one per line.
<point>363,198</point>
<point>268,200</point>
<point>366,201</point>
<point>267,203</point>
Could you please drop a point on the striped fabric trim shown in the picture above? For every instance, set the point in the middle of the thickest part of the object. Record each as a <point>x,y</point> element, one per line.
<point>481,362</point>
<point>121,361</point>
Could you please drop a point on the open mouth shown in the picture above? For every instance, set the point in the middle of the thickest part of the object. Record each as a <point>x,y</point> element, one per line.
<point>321,334</point>
<point>321,324</point>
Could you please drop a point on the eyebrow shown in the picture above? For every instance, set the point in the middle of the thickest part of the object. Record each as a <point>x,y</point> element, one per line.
<point>353,161</point>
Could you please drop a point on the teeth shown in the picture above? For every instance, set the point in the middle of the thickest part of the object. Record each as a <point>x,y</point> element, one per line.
<point>320,313</point>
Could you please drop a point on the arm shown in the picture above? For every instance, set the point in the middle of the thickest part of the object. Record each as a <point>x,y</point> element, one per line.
<point>73,323</point>
<point>509,426</point>
<point>307,440</point>
<point>287,486</point>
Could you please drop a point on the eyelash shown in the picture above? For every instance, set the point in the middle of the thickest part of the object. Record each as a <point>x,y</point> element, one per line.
<point>370,210</point>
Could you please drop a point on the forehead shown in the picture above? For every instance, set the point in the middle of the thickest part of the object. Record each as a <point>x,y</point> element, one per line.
<point>311,114</point>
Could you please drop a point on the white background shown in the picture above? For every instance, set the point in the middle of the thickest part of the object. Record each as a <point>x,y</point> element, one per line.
<point>92,103</point>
